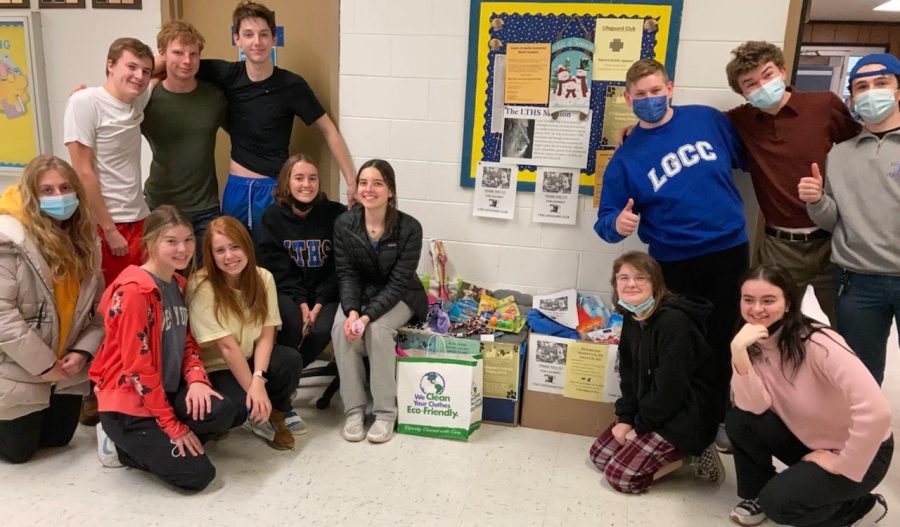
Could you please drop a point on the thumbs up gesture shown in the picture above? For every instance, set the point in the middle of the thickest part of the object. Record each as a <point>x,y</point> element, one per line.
<point>627,221</point>
<point>810,188</point>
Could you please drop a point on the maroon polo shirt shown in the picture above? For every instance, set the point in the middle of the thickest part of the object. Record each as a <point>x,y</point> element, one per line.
<point>781,148</point>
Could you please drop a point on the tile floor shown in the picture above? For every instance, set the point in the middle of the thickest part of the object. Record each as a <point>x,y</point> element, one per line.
<point>503,477</point>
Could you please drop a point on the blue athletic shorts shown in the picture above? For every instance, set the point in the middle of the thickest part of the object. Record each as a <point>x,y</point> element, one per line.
<point>246,198</point>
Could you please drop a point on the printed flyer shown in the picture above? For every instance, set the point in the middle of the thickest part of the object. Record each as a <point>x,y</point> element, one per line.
<point>535,135</point>
<point>547,363</point>
<point>495,191</point>
<point>561,307</point>
<point>556,196</point>
<point>585,371</point>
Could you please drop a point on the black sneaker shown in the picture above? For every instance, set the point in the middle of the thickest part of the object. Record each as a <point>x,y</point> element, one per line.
<point>748,512</point>
<point>876,514</point>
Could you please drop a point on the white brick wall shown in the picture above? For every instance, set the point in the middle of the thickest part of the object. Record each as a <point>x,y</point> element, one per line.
<point>402,97</point>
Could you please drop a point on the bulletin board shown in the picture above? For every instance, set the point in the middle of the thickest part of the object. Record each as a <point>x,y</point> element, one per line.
<point>23,106</point>
<point>546,79</point>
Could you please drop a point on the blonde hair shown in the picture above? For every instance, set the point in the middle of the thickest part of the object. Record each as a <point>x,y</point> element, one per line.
<point>180,31</point>
<point>159,221</point>
<point>69,247</point>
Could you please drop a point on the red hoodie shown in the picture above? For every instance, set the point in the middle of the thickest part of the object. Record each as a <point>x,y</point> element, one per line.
<point>128,366</point>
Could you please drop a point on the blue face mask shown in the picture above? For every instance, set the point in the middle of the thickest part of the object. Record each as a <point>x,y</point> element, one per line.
<point>650,109</point>
<point>59,207</point>
<point>768,95</point>
<point>638,309</point>
<point>874,106</point>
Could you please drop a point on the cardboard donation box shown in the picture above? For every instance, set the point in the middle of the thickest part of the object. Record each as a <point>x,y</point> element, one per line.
<point>503,366</point>
<point>570,385</point>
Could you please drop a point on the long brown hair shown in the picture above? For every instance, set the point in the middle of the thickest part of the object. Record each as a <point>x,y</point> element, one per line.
<point>643,263</point>
<point>253,307</point>
<point>282,192</point>
<point>69,247</point>
<point>387,172</point>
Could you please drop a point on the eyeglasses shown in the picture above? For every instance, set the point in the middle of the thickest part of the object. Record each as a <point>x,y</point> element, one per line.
<point>640,279</point>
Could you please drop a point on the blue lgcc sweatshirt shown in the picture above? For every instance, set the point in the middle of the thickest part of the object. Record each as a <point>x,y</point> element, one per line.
<point>680,177</point>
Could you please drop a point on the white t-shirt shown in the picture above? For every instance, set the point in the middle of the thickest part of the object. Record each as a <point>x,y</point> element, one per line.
<point>112,129</point>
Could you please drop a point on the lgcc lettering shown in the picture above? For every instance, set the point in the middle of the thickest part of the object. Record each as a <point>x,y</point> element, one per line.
<point>686,156</point>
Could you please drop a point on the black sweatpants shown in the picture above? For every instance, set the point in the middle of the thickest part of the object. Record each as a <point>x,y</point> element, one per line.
<point>54,426</point>
<point>141,443</point>
<point>283,373</point>
<point>291,332</point>
<point>804,494</point>
<point>717,278</point>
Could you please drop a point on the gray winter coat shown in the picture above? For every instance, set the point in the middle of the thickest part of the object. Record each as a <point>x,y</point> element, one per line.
<point>29,324</point>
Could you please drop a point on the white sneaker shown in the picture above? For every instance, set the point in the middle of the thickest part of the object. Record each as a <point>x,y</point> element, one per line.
<point>295,423</point>
<point>263,430</point>
<point>723,442</point>
<point>354,427</point>
<point>381,431</point>
<point>106,449</point>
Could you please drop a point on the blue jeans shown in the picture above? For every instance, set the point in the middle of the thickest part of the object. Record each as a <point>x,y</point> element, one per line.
<point>200,220</point>
<point>866,303</point>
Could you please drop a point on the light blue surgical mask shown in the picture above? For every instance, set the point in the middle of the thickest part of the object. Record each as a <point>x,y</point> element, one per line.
<point>768,95</point>
<point>650,109</point>
<point>59,207</point>
<point>640,308</point>
<point>874,106</point>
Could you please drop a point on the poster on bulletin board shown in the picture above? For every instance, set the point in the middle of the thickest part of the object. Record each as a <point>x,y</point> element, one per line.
<point>546,80</point>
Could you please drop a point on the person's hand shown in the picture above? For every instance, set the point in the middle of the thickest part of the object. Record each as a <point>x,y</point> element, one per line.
<point>620,430</point>
<point>352,196</point>
<point>824,458</point>
<point>630,435</point>
<point>199,400</point>
<point>116,242</point>
<point>189,442</point>
<point>77,88</point>
<point>56,373</point>
<point>258,401</point>
<point>623,135</point>
<point>810,187</point>
<point>304,314</point>
<point>73,362</point>
<point>348,325</point>
<point>747,336</point>
<point>627,221</point>
<point>312,316</point>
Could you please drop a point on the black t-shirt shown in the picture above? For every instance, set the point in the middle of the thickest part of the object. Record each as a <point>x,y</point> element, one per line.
<point>261,114</point>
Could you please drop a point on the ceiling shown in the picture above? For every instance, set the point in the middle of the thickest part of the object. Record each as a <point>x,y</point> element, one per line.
<point>850,10</point>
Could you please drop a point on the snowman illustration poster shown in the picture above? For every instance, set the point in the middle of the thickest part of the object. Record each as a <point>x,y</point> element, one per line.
<point>570,75</point>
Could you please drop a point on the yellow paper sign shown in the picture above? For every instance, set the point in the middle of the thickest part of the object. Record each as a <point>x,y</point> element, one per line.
<point>501,371</point>
<point>17,115</point>
<point>601,161</point>
<point>617,45</point>
<point>585,371</point>
<point>527,73</point>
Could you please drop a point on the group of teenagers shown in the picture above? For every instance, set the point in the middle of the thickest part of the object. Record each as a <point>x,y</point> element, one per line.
<point>189,317</point>
<point>731,363</point>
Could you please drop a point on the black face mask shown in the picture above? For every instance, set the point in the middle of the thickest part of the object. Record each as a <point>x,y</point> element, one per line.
<point>306,207</point>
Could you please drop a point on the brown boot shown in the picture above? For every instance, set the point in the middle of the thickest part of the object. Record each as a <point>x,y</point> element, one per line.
<point>284,439</point>
<point>89,415</point>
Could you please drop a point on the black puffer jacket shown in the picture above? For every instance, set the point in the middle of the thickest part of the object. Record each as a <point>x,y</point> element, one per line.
<point>371,282</point>
<point>668,375</point>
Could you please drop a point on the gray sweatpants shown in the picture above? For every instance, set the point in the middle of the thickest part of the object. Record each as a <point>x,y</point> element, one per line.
<point>378,342</point>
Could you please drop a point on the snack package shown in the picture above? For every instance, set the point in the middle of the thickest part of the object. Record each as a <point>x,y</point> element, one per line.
<point>462,310</point>
<point>506,316</point>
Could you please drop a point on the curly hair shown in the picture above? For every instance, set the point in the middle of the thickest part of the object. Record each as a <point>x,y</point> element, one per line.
<point>70,247</point>
<point>178,31</point>
<point>749,56</point>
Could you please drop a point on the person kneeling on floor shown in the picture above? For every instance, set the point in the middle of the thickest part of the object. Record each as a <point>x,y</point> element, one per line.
<point>668,407</point>
<point>803,396</point>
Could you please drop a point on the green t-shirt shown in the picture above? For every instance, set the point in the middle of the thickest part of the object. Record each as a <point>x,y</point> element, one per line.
<point>181,129</point>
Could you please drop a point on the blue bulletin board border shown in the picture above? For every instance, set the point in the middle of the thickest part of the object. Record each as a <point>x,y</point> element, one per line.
<point>477,79</point>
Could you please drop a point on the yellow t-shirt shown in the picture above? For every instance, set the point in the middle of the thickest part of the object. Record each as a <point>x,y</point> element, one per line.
<point>207,328</point>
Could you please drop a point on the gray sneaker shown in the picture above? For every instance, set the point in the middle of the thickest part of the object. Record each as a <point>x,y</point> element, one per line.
<point>263,430</point>
<point>723,443</point>
<point>381,431</point>
<point>354,427</point>
<point>106,449</point>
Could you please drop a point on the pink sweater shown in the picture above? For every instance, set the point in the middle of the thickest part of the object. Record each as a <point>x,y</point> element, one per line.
<point>833,402</point>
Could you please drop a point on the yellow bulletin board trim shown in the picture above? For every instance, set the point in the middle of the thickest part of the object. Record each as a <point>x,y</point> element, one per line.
<point>667,14</point>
